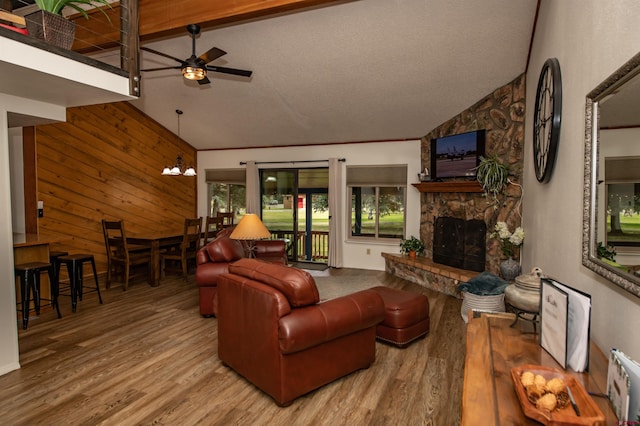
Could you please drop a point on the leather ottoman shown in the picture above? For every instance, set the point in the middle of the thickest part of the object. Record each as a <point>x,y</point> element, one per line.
<point>406,316</point>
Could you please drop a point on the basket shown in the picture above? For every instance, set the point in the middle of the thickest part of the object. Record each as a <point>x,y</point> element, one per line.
<point>53,29</point>
<point>493,303</point>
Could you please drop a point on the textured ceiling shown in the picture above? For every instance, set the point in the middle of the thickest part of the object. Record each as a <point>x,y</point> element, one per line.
<point>355,71</point>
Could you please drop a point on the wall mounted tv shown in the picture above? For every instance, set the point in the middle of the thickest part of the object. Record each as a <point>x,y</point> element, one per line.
<point>457,156</point>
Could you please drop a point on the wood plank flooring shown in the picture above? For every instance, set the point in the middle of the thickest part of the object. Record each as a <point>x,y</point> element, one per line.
<point>146,356</point>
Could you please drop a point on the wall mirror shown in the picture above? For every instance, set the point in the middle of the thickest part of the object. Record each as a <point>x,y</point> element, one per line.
<point>611,224</point>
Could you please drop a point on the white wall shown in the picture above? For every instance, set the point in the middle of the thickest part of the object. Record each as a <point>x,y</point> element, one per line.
<point>355,253</point>
<point>591,39</point>
<point>17,179</point>
<point>9,357</point>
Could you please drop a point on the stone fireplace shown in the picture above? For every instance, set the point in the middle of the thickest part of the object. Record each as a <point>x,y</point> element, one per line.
<point>502,114</point>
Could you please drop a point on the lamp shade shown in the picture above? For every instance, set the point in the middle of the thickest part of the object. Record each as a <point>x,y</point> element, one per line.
<point>250,227</point>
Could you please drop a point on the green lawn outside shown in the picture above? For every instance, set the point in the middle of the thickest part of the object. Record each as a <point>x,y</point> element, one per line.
<point>277,218</point>
<point>630,229</point>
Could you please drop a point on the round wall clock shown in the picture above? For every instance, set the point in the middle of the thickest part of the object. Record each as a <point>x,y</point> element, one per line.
<point>546,119</point>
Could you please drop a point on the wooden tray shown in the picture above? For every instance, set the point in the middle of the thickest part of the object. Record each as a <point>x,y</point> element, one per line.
<point>590,414</point>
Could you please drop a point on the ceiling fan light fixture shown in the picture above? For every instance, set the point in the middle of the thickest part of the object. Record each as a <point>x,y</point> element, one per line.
<point>194,73</point>
<point>195,67</point>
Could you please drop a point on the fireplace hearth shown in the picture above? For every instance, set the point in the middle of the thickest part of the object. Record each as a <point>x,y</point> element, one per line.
<point>460,243</point>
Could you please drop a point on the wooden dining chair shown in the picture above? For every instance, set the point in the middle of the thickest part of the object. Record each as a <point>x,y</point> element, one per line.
<point>186,251</point>
<point>227,219</point>
<point>121,257</point>
<point>213,224</point>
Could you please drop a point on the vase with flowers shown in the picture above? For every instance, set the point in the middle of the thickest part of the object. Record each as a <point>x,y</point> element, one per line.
<point>510,243</point>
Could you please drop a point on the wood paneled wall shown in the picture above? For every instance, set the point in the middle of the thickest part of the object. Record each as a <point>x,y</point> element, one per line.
<point>105,162</point>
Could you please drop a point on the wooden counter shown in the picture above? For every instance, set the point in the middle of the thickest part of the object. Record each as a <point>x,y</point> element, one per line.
<point>31,248</point>
<point>493,349</point>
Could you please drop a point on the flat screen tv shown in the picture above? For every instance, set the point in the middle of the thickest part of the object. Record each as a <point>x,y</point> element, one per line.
<point>457,156</point>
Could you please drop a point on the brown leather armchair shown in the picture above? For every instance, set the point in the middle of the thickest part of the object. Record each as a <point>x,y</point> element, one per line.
<point>213,260</point>
<point>273,331</point>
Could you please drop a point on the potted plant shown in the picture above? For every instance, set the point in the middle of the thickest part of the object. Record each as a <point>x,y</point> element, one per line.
<point>411,246</point>
<point>606,252</point>
<point>493,176</point>
<point>48,23</point>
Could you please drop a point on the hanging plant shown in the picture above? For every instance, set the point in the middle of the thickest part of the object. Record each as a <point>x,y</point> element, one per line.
<point>493,176</point>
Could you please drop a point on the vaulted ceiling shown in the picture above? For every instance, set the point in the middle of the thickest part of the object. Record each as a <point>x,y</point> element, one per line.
<point>338,71</point>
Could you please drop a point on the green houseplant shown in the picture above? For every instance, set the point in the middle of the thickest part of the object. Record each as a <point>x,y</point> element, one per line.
<point>411,245</point>
<point>493,176</point>
<point>49,25</point>
<point>56,6</point>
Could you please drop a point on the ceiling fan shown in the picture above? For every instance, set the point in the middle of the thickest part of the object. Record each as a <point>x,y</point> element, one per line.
<point>195,68</point>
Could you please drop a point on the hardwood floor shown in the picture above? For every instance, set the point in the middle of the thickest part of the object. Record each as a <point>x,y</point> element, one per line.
<point>146,356</point>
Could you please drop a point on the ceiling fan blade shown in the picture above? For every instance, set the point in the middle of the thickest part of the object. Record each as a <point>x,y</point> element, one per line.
<point>212,54</point>
<point>162,68</point>
<point>233,71</point>
<point>161,54</point>
<point>204,81</point>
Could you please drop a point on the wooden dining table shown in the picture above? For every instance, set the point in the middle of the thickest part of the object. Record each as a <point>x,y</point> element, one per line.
<point>155,242</point>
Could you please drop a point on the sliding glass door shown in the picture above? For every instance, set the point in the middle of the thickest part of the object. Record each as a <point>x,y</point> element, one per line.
<point>295,208</point>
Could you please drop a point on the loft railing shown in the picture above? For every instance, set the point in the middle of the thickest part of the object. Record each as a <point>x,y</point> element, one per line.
<point>116,29</point>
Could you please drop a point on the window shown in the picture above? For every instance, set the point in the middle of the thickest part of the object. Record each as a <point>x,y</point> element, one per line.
<point>226,192</point>
<point>378,198</point>
<point>622,186</point>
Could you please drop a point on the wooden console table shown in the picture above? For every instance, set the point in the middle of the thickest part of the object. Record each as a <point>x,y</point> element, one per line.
<point>493,348</point>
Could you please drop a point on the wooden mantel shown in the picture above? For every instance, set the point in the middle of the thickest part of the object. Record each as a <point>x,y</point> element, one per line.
<point>451,186</point>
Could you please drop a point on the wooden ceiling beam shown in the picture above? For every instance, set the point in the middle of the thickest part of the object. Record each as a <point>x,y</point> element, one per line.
<point>164,18</point>
<point>157,18</point>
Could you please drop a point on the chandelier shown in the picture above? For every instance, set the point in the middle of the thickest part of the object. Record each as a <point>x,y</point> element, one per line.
<point>179,167</point>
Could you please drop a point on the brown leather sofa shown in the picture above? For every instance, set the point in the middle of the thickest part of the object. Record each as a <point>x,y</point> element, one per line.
<point>213,260</point>
<point>273,331</point>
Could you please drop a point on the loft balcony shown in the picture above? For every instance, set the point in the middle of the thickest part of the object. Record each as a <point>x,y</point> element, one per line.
<point>32,69</point>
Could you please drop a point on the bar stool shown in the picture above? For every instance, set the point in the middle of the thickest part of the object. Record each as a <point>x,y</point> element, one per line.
<point>29,274</point>
<point>53,259</point>
<point>75,265</point>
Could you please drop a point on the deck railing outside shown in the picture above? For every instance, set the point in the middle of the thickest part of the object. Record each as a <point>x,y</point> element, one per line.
<point>319,244</point>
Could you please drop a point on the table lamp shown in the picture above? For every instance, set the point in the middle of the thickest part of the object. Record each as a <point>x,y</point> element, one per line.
<point>250,228</point>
